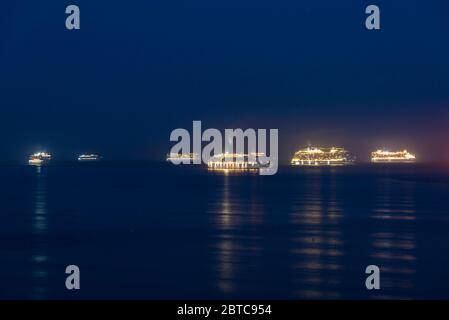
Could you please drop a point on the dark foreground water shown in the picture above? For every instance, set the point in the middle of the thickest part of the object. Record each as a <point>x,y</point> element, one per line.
<point>160,232</point>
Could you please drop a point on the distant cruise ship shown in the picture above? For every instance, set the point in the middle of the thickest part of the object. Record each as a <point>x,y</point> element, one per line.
<point>313,156</point>
<point>383,156</point>
<point>182,156</point>
<point>39,158</point>
<point>235,161</point>
<point>89,157</point>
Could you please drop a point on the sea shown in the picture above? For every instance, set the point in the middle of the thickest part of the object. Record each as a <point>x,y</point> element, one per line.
<point>159,231</point>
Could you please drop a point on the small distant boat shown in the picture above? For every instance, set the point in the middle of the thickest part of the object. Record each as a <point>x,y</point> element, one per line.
<point>88,157</point>
<point>39,158</point>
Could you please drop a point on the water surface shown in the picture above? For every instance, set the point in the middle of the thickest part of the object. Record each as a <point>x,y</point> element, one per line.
<point>159,231</point>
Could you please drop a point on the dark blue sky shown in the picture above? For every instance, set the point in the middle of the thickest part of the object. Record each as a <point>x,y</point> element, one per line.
<point>138,69</point>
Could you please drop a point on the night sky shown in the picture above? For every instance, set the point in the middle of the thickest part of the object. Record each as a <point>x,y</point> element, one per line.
<point>139,69</point>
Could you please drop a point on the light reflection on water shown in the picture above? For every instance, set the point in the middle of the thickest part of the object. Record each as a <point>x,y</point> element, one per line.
<point>236,253</point>
<point>322,251</point>
<point>300,234</point>
<point>39,257</point>
<point>317,245</point>
<point>393,240</point>
<point>227,244</point>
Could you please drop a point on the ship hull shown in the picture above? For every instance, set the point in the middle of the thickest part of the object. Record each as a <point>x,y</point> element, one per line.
<point>313,163</point>
<point>35,162</point>
<point>393,161</point>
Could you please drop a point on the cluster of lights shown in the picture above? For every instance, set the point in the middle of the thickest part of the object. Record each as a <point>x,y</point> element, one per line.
<point>182,156</point>
<point>234,161</point>
<point>41,155</point>
<point>88,157</point>
<point>313,156</point>
<point>39,158</point>
<point>392,156</point>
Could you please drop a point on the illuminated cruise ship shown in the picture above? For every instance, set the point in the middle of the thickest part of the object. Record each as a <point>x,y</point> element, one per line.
<point>236,161</point>
<point>178,157</point>
<point>88,157</point>
<point>384,156</point>
<point>39,158</point>
<point>313,156</point>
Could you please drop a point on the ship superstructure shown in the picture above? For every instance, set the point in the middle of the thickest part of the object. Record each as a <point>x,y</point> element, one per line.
<point>88,157</point>
<point>236,161</point>
<point>385,156</point>
<point>315,156</point>
<point>182,157</point>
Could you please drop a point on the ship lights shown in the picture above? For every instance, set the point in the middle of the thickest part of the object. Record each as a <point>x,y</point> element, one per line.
<point>314,156</point>
<point>392,156</point>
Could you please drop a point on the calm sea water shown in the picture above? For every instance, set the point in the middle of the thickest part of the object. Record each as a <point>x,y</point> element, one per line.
<point>156,232</point>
